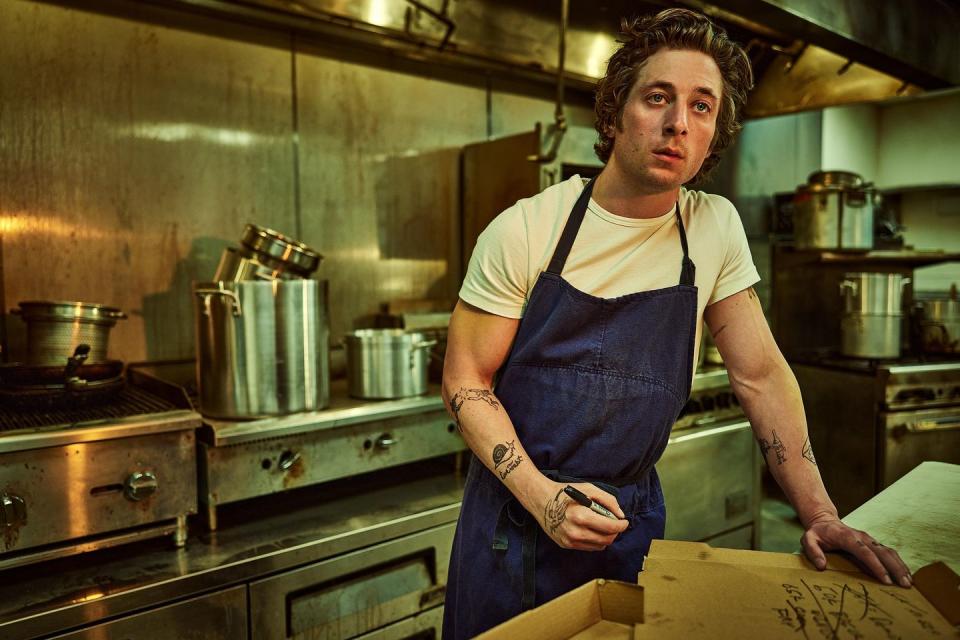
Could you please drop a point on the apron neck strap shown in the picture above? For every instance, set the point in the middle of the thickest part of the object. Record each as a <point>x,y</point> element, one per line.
<point>687,268</point>
<point>570,230</point>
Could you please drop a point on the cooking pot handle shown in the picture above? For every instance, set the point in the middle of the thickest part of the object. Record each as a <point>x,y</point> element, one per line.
<point>848,284</point>
<point>207,293</point>
<point>117,315</point>
<point>426,344</point>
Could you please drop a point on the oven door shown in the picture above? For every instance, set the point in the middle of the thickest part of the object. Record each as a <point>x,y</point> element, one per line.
<point>912,437</point>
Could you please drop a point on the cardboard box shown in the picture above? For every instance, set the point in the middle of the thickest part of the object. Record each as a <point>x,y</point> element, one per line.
<point>690,590</point>
<point>596,610</point>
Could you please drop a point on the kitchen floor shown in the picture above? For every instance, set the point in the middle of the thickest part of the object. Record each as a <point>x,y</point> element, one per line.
<point>780,530</point>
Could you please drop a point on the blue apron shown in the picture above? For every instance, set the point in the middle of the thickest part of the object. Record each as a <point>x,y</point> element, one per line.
<point>593,387</point>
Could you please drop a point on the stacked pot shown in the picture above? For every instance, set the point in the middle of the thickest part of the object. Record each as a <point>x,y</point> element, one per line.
<point>263,330</point>
<point>872,314</point>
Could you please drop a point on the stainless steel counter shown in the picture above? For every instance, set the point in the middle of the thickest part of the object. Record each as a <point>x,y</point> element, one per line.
<point>66,594</point>
<point>343,410</point>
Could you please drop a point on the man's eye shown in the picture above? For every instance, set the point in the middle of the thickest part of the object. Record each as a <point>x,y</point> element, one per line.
<point>702,107</point>
<point>657,98</point>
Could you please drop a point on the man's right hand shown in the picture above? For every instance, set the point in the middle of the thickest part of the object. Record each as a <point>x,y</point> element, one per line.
<point>573,526</point>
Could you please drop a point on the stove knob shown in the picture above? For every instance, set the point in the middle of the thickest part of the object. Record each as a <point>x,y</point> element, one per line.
<point>13,511</point>
<point>140,485</point>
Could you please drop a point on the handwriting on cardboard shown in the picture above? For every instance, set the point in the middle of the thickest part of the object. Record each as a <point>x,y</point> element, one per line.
<point>841,610</point>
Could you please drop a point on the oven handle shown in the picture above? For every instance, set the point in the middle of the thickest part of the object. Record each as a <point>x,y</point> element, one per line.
<point>926,426</point>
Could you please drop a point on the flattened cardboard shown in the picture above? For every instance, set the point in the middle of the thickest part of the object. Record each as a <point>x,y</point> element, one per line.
<point>691,590</point>
<point>598,609</point>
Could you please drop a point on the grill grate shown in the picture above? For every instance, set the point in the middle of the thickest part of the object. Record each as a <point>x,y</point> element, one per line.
<point>130,401</point>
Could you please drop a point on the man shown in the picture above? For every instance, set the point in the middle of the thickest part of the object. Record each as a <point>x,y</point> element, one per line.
<point>586,303</point>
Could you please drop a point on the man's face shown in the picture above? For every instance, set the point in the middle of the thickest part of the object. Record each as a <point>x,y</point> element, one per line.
<point>669,120</point>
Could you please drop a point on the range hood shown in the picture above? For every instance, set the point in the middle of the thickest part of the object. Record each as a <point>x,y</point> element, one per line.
<point>807,54</point>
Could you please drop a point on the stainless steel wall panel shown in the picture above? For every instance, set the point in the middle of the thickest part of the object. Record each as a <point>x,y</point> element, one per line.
<point>379,180</point>
<point>131,153</point>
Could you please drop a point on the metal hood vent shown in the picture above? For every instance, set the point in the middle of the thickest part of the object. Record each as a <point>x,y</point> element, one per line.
<point>807,54</point>
<point>810,54</point>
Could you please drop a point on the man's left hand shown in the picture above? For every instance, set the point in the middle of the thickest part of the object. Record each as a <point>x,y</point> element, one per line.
<point>832,535</point>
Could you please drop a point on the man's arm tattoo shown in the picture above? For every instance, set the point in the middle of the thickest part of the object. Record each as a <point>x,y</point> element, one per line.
<point>777,445</point>
<point>808,451</point>
<point>555,512</point>
<point>464,394</point>
<point>506,458</point>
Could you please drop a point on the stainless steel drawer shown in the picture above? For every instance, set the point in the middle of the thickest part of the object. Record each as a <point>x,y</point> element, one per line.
<point>711,480</point>
<point>236,472</point>
<point>423,626</point>
<point>357,593</point>
<point>216,616</point>
<point>91,488</point>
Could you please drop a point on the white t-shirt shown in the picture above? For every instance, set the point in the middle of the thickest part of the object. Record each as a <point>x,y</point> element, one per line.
<point>612,255</point>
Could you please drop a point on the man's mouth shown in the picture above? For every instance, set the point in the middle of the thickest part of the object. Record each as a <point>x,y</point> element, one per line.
<point>669,152</point>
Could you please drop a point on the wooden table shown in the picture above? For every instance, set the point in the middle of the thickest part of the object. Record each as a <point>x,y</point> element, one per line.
<point>918,515</point>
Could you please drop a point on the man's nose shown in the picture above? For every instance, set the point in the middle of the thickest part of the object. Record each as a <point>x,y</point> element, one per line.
<point>675,121</point>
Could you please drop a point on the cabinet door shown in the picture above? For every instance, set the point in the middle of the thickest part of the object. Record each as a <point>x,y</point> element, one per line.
<point>356,593</point>
<point>216,616</point>
<point>710,477</point>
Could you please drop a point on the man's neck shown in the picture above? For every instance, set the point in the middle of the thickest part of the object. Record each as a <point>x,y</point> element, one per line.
<point>619,195</point>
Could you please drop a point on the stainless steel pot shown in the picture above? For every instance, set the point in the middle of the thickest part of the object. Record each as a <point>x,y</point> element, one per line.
<point>262,347</point>
<point>387,363</point>
<point>939,325</point>
<point>834,210</point>
<point>56,329</point>
<point>270,247</point>
<point>236,266</point>
<point>872,314</point>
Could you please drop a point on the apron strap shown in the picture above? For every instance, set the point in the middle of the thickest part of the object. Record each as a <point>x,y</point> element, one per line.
<point>570,230</point>
<point>688,269</point>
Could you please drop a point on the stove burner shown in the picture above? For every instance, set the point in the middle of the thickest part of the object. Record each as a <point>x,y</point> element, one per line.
<point>126,401</point>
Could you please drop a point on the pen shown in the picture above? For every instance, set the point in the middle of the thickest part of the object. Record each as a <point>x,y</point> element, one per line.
<point>582,499</point>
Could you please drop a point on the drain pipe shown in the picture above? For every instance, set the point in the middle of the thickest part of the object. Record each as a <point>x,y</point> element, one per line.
<point>559,119</point>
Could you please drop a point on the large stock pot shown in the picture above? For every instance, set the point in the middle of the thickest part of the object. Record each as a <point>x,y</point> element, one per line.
<point>262,347</point>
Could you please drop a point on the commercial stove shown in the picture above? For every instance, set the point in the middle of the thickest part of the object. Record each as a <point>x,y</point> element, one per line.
<point>872,421</point>
<point>88,472</point>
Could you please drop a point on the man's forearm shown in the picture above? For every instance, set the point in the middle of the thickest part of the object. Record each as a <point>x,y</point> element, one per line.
<point>490,434</point>
<point>774,407</point>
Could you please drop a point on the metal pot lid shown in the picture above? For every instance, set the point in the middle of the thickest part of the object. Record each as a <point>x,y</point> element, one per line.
<point>275,245</point>
<point>68,310</point>
<point>385,336</point>
<point>820,181</point>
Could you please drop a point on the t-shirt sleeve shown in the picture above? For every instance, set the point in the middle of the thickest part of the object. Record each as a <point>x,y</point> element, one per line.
<point>496,279</point>
<point>737,271</point>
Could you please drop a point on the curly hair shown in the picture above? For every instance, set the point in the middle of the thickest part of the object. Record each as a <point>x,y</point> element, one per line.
<point>680,29</point>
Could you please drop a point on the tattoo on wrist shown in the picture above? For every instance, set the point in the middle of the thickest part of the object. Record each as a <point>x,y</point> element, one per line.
<point>808,451</point>
<point>464,394</point>
<point>555,512</point>
<point>506,458</point>
<point>777,445</point>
